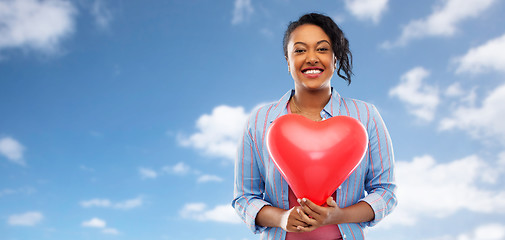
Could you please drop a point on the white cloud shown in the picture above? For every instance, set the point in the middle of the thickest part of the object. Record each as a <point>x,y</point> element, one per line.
<point>12,149</point>
<point>484,122</point>
<point>106,203</point>
<point>96,202</point>
<point>7,191</point>
<point>219,133</point>
<point>192,207</point>
<point>94,223</point>
<point>454,90</point>
<point>179,168</point>
<point>421,99</point>
<point>22,190</point>
<point>130,203</point>
<point>147,173</point>
<point>242,11</point>
<point>99,223</point>
<point>35,24</point>
<point>111,231</point>
<point>443,21</point>
<point>101,13</point>
<point>501,161</point>
<point>486,57</point>
<point>209,178</point>
<point>367,9</point>
<point>220,213</point>
<point>493,231</point>
<point>431,189</point>
<point>25,219</point>
<point>183,169</point>
<point>490,231</point>
<point>462,96</point>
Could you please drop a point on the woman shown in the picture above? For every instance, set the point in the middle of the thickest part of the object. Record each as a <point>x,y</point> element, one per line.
<point>314,47</point>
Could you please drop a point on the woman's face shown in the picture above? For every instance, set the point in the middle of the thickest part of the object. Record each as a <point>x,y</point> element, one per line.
<point>310,57</point>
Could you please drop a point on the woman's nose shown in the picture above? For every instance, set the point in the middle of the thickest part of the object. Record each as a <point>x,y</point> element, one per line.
<point>312,58</point>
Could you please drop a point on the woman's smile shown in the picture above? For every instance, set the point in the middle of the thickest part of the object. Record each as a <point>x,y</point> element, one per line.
<point>312,72</point>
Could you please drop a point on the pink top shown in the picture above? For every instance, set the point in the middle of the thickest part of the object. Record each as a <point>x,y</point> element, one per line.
<point>328,232</point>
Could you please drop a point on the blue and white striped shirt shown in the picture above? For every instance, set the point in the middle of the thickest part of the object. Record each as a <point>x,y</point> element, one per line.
<point>259,183</point>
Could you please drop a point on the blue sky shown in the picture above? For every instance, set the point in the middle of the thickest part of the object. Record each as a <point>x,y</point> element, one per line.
<point>120,119</point>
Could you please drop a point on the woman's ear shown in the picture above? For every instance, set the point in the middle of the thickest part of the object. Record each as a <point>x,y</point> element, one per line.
<point>289,70</point>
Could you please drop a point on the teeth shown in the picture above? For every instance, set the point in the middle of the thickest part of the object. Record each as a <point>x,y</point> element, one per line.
<point>313,71</point>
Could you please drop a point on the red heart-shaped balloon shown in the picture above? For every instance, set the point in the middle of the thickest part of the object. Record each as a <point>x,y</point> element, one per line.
<point>316,157</point>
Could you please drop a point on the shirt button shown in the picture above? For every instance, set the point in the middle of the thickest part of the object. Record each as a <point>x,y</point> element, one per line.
<point>340,187</point>
<point>344,236</point>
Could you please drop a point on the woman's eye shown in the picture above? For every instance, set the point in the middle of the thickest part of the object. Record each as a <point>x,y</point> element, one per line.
<point>299,50</point>
<point>323,49</point>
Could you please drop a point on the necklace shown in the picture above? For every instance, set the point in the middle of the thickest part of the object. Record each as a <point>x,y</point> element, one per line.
<point>296,106</point>
<point>298,110</point>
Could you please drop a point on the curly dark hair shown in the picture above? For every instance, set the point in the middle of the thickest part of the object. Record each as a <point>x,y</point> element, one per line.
<point>340,44</point>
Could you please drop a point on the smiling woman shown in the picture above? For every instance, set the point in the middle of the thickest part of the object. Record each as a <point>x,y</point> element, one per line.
<point>315,48</point>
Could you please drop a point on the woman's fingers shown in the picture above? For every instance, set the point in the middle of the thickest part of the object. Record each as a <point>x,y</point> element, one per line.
<point>310,216</point>
<point>331,202</point>
<point>299,222</point>
<point>309,207</point>
<point>305,218</point>
<point>294,219</point>
<point>305,229</point>
<point>316,208</point>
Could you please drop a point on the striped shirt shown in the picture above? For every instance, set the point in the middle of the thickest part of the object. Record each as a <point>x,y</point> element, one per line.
<point>258,182</point>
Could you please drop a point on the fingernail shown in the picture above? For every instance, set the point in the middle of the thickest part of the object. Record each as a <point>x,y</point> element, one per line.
<point>304,200</point>
<point>299,201</point>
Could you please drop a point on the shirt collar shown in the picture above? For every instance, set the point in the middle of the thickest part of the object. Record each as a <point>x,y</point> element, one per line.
<point>332,108</point>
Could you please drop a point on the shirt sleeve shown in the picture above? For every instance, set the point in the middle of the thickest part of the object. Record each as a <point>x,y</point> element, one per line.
<point>249,186</point>
<point>380,179</point>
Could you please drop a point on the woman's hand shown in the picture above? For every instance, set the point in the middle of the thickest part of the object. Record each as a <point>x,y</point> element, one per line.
<point>291,220</point>
<point>316,216</point>
<point>309,216</point>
